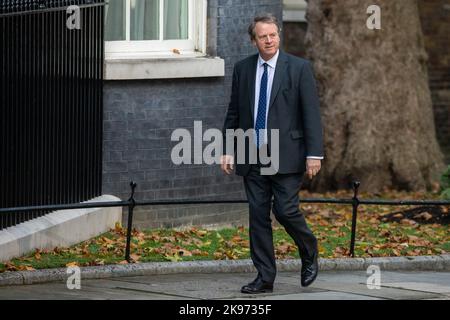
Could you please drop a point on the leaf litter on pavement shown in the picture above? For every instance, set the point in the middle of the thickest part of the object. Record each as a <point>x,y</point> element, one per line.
<point>382,231</point>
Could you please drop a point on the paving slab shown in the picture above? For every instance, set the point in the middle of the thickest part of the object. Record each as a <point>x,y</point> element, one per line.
<point>419,286</point>
<point>324,295</point>
<point>330,285</point>
<point>206,286</point>
<point>59,291</point>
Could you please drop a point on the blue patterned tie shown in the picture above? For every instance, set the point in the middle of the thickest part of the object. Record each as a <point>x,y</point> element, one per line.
<point>262,105</point>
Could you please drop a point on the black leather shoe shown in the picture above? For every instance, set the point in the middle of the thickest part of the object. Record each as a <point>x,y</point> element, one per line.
<point>257,286</point>
<point>310,269</point>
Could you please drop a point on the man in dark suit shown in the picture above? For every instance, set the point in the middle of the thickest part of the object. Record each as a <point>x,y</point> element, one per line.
<point>275,90</point>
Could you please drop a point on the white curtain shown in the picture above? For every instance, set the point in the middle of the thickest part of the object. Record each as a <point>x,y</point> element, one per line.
<point>115,27</point>
<point>144,23</point>
<point>176,19</point>
<point>144,20</point>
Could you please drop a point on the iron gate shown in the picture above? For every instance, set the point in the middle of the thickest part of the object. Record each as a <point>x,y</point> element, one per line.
<point>51,104</point>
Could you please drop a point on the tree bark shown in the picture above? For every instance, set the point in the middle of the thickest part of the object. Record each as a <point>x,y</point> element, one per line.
<point>375,100</point>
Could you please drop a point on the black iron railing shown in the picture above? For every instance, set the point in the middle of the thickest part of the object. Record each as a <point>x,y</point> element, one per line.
<point>131,204</point>
<point>11,7</point>
<point>51,105</point>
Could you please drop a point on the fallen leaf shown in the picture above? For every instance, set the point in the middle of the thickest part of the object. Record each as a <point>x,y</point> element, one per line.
<point>154,237</point>
<point>236,239</point>
<point>321,250</point>
<point>424,216</point>
<point>139,235</point>
<point>135,257</point>
<point>72,264</point>
<point>323,223</point>
<point>205,244</point>
<point>201,233</point>
<point>10,266</point>
<point>99,262</point>
<point>198,252</point>
<point>408,222</point>
<point>412,238</point>
<point>168,239</point>
<point>384,234</point>
<point>218,255</point>
<point>184,253</point>
<point>106,240</point>
<point>373,221</point>
<point>173,258</point>
<point>231,254</point>
<point>245,243</point>
<point>285,248</point>
<point>118,228</point>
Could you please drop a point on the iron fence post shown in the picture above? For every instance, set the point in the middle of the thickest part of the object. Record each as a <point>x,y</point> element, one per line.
<point>355,205</point>
<point>131,205</point>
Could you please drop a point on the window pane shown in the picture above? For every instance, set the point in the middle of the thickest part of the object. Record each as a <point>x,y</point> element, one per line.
<point>176,19</point>
<point>115,27</point>
<point>144,23</point>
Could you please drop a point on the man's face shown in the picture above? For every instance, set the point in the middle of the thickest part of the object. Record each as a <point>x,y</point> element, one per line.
<point>267,39</point>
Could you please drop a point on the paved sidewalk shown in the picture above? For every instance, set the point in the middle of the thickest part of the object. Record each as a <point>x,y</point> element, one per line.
<point>330,285</point>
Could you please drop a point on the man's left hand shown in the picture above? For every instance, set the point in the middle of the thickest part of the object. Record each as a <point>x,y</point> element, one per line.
<point>313,167</point>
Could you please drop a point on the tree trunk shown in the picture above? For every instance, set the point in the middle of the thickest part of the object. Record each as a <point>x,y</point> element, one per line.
<point>375,100</point>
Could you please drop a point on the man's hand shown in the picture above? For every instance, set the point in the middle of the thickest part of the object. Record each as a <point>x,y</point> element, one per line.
<point>227,163</point>
<point>312,167</point>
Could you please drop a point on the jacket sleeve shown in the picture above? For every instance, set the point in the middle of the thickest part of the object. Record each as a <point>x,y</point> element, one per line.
<point>232,116</point>
<point>309,100</point>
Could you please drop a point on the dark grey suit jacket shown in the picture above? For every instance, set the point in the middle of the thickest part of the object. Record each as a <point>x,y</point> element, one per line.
<point>293,109</point>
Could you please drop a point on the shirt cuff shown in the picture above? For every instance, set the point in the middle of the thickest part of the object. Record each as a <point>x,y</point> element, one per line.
<point>314,157</point>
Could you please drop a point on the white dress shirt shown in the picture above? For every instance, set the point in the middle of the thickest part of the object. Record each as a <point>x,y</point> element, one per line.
<point>272,64</point>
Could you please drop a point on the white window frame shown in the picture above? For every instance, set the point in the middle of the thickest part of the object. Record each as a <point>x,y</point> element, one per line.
<point>195,45</point>
<point>294,10</point>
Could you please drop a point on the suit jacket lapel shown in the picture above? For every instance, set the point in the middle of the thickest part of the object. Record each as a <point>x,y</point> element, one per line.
<point>280,72</point>
<point>251,83</point>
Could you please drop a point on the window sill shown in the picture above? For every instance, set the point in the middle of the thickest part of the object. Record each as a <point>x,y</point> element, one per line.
<point>163,67</point>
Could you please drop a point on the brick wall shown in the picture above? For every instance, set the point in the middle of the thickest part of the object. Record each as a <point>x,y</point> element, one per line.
<point>435,19</point>
<point>141,115</point>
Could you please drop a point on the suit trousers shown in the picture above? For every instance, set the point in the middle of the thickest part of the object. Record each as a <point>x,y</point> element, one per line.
<point>284,189</point>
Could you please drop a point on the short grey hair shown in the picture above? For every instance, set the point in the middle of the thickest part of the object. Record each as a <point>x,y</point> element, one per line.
<point>265,18</point>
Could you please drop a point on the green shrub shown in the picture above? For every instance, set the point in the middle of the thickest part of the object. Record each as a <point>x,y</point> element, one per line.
<point>445,184</point>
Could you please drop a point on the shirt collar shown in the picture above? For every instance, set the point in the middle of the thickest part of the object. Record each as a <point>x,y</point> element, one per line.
<point>272,62</point>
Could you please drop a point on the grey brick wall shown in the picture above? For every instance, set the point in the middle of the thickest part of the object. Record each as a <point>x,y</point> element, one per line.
<point>141,115</point>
